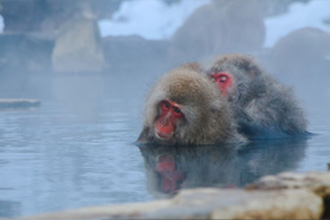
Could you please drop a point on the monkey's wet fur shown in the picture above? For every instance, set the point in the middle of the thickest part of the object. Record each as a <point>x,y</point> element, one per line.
<point>233,100</point>
<point>263,107</point>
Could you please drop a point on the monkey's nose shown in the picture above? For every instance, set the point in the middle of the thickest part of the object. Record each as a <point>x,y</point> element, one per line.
<point>164,128</point>
<point>163,135</point>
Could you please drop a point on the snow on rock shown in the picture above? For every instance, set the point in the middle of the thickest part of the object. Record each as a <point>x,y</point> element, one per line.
<point>151,20</point>
<point>300,15</point>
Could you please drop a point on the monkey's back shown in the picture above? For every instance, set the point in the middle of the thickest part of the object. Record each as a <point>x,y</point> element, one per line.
<point>262,106</point>
<point>275,112</point>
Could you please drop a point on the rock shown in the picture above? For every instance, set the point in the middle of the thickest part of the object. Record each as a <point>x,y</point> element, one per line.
<point>239,204</point>
<point>301,51</point>
<point>210,203</point>
<point>318,182</point>
<point>116,211</point>
<point>290,204</point>
<point>301,59</point>
<point>78,47</point>
<point>283,196</point>
<point>222,26</point>
<point>18,103</point>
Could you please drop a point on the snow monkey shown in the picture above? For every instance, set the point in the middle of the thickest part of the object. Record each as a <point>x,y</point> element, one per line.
<point>262,107</point>
<point>186,108</point>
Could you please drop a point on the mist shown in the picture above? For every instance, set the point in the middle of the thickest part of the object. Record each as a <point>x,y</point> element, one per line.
<point>91,64</point>
<point>87,51</point>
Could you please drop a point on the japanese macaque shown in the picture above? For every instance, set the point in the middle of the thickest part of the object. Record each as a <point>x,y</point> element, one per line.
<point>185,108</point>
<point>262,107</point>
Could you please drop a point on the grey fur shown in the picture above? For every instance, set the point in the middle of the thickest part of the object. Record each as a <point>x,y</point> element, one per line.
<point>208,119</point>
<point>263,107</point>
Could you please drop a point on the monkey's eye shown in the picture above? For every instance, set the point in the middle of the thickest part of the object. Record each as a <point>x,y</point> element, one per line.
<point>165,105</point>
<point>177,111</point>
<point>223,79</point>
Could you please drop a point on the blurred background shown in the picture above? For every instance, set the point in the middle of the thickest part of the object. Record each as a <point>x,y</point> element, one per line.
<point>92,62</point>
<point>45,42</point>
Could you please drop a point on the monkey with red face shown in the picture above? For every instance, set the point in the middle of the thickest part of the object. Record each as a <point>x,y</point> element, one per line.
<point>263,108</point>
<point>185,108</point>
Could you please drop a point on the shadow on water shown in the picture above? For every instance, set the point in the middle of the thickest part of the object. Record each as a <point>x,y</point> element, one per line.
<point>170,169</point>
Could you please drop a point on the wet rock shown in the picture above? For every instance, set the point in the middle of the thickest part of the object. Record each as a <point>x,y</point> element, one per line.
<point>78,47</point>
<point>18,103</point>
<point>222,26</point>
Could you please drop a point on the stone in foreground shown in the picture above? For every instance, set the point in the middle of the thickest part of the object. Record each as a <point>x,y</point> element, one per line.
<point>211,203</point>
<point>318,182</point>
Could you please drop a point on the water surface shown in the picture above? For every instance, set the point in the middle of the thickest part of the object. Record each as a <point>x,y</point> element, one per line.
<point>52,158</point>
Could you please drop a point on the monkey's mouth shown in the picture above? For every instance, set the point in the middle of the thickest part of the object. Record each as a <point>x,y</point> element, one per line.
<point>162,136</point>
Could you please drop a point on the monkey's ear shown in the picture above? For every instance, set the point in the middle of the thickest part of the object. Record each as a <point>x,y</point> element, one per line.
<point>143,138</point>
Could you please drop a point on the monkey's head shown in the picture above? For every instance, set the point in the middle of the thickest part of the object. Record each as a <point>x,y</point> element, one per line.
<point>182,107</point>
<point>233,73</point>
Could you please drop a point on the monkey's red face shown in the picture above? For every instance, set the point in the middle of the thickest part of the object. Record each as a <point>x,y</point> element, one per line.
<point>170,114</point>
<point>223,80</point>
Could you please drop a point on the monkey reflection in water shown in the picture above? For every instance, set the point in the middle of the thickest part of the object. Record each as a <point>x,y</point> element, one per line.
<point>171,168</point>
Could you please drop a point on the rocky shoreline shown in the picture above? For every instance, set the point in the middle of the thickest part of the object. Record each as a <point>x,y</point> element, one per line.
<point>283,196</point>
